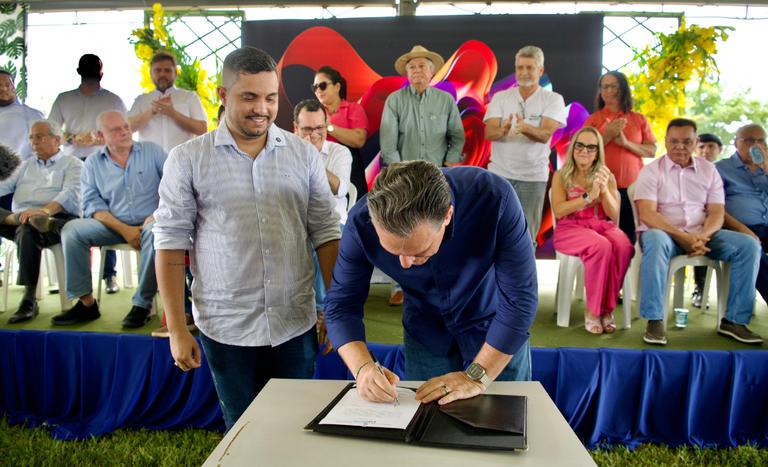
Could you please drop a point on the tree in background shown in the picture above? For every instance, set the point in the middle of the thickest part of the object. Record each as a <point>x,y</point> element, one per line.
<point>191,76</point>
<point>720,116</point>
<point>661,72</point>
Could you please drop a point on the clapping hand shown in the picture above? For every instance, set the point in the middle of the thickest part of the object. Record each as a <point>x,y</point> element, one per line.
<point>600,184</point>
<point>614,128</point>
<point>84,140</point>
<point>164,106</point>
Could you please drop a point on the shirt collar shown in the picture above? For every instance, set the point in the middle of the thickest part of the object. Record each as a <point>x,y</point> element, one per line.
<point>224,137</point>
<point>326,148</point>
<point>98,91</point>
<point>414,92</point>
<point>52,161</point>
<point>669,164</point>
<point>168,91</point>
<point>135,147</point>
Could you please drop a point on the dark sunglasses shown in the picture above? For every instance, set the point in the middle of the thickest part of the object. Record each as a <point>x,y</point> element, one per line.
<point>322,86</point>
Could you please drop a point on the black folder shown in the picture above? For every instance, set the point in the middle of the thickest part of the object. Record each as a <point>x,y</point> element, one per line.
<point>487,421</point>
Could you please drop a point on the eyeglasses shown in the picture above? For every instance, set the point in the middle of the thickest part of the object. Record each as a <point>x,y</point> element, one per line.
<point>39,138</point>
<point>322,86</point>
<point>606,87</point>
<point>687,143</point>
<point>591,148</point>
<point>306,131</point>
<point>752,141</point>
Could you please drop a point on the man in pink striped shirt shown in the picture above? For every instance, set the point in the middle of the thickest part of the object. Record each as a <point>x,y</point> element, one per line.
<point>681,206</point>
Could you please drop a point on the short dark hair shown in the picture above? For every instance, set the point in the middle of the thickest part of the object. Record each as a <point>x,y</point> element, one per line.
<point>161,55</point>
<point>627,103</point>
<point>406,195</point>
<point>680,122</point>
<point>310,105</point>
<point>246,60</point>
<point>335,78</point>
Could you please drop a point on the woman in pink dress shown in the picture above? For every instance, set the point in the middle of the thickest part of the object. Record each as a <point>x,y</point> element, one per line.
<point>348,121</point>
<point>584,197</point>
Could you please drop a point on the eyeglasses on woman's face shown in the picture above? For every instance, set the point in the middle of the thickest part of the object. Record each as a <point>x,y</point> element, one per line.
<point>321,86</point>
<point>591,148</point>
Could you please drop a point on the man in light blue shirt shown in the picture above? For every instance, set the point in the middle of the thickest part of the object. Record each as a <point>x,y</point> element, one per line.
<point>47,195</point>
<point>119,189</point>
<point>746,194</point>
<point>248,200</point>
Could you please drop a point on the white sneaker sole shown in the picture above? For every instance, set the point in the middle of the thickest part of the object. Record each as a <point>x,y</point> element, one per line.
<point>648,340</point>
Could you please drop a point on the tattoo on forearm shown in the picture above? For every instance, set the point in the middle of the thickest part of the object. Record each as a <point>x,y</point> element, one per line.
<point>177,264</point>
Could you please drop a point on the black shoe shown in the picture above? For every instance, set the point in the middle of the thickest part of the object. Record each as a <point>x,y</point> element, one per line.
<point>45,224</point>
<point>53,290</point>
<point>26,311</point>
<point>77,314</point>
<point>137,317</point>
<point>696,297</point>
<point>111,285</point>
<point>738,332</point>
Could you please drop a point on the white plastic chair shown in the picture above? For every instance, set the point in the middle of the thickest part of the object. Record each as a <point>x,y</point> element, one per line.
<point>126,250</point>
<point>352,194</point>
<point>676,270</point>
<point>572,267</point>
<point>58,255</point>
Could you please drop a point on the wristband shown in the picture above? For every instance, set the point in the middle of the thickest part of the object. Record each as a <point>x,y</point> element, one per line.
<point>361,367</point>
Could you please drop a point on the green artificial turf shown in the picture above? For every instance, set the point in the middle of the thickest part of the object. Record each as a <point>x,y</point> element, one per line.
<point>384,323</point>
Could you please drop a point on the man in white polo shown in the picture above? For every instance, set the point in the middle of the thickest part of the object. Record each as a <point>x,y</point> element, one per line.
<point>520,122</point>
<point>167,116</point>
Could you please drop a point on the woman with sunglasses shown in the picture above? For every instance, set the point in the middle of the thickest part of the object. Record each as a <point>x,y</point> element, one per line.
<point>627,136</point>
<point>584,196</point>
<point>349,123</point>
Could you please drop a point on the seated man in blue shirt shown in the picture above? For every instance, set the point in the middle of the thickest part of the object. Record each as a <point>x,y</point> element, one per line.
<point>119,188</point>
<point>457,241</point>
<point>47,195</point>
<point>746,194</point>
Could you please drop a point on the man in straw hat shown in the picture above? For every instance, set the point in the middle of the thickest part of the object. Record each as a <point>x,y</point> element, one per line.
<point>420,122</point>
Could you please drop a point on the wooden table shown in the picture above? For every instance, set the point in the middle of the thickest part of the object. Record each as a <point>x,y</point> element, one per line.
<point>270,434</point>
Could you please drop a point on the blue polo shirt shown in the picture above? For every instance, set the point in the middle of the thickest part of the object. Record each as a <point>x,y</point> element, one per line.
<point>130,194</point>
<point>746,193</point>
<point>481,286</point>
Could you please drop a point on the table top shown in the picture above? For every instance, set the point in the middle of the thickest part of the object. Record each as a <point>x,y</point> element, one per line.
<point>271,432</point>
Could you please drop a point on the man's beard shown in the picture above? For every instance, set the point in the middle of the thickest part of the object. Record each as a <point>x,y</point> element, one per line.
<point>6,103</point>
<point>91,79</point>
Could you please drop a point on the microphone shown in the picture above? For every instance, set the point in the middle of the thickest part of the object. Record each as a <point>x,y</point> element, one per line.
<point>9,162</point>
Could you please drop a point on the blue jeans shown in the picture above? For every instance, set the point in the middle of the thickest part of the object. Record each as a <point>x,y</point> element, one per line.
<point>741,250</point>
<point>240,373</point>
<point>531,195</point>
<point>77,238</point>
<point>319,286</point>
<point>422,364</point>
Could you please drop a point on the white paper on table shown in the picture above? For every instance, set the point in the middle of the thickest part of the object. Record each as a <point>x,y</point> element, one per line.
<point>353,410</point>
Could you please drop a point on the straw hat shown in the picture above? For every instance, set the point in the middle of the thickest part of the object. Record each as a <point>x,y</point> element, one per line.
<point>418,52</point>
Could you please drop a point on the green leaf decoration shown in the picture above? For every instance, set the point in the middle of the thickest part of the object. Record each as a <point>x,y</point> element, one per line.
<point>8,8</point>
<point>21,21</point>
<point>21,88</point>
<point>16,48</point>
<point>10,67</point>
<point>7,28</point>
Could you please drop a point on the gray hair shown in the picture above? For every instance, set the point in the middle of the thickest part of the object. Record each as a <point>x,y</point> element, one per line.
<point>246,60</point>
<point>407,194</point>
<point>431,63</point>
<point>54,128</point>
<point>531,51</point>
<point>100,118</point>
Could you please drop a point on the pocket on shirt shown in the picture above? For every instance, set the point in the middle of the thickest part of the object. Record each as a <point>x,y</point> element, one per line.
<point>437,127</point>
<point>55,180</point>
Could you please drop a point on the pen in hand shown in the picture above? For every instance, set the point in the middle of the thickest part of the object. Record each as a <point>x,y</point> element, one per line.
<point>378,367</point>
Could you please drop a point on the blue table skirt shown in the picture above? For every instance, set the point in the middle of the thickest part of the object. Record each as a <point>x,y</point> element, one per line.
<point>87,384</point>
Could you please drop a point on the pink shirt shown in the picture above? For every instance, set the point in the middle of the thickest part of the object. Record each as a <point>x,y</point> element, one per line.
<point>349,115</point>
<point>681,194</point>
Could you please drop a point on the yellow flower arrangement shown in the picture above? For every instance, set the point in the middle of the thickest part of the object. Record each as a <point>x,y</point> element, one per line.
<point>190,75</point>
<point>663,71</point>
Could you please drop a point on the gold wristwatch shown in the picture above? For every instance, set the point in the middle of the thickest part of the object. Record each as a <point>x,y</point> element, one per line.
<point>46,211</point>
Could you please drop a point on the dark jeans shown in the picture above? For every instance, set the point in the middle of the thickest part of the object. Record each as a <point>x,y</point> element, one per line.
<point>762,275</point>
<point>29,246</point>
<point>699,276</point>
<point>626,217</point>
<point>240,373</point>
<point>109,265</point>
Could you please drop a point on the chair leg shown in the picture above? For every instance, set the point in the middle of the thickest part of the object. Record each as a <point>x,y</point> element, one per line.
<point>127,270</point>
<point>679,291</point>
<point>103,261</point>
<point>9,255</point>
<point>723,275</point>
<point>39,288</point>
<point>705,296</point>
<point>579,295</point>
<point>564,292</point>
<point>667,291</point>
<point>61,274</point>
<point>627,303</point>
<point>50,258</point>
